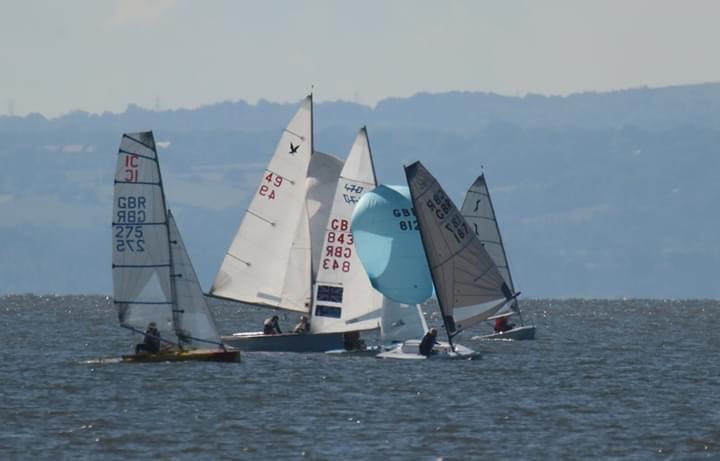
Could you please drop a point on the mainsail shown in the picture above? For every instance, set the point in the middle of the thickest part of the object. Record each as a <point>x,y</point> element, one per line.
<point>469,286</point>
<point>479,213</point>
<point>141,260</point>
<point>263,261</point>
<point>344,298</point>
<point>153,278</point>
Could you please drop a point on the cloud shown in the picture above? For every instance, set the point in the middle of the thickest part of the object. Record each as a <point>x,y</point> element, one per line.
<point>134,11</point>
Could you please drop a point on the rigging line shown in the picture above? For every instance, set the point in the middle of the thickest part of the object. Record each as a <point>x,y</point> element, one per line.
<point>152,148</point>
<point>261,217</point>
<point>238,259</point>
<point>295,134</point>
<point>146,157</point>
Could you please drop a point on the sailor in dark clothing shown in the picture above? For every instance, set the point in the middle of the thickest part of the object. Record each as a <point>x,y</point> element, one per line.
<point>151,343</point>
<point>427,343</point>
<point>272,326</point>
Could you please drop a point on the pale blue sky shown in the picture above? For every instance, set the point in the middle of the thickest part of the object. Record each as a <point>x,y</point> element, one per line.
<point>98,55</point>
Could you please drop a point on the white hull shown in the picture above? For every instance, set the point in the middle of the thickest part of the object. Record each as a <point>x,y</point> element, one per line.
<point>516,334</point>
<point>410,350</point>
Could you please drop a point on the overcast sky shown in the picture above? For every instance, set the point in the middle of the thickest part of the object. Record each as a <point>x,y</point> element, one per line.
<point>98,55</point>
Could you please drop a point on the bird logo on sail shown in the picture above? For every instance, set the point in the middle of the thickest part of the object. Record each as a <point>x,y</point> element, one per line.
<point>293,148</point>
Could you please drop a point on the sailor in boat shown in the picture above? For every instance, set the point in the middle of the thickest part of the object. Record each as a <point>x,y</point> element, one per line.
<point>303,326</point>
<point>151,343</point>
<point>427,343</point>
<point>501,324</point>
<point>272,326</point>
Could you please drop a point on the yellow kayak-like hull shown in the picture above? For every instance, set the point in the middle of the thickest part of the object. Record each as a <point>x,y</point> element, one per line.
<point>184,356</point>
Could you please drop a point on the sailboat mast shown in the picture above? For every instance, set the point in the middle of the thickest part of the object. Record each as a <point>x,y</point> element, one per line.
<point>177,319</point>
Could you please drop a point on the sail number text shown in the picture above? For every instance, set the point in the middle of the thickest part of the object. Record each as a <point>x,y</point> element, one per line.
<point>128,227</point>
<point>270,185</point>
<point>443,209</point>
<point>338,246</point>
<point>131,168</point>
<point>409,224</point>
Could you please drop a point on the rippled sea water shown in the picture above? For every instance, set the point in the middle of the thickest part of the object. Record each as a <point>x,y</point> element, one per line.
<point>605,379</point>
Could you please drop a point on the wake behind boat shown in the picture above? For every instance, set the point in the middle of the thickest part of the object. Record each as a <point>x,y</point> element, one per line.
<point>154,283</point>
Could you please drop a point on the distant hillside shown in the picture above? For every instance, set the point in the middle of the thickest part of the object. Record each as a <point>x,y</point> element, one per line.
<point>598,194</point>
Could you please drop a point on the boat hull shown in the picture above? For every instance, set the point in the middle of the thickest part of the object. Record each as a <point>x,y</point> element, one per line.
<point>286,342</point>
<point>516,334</point>
<point>410,350</point>
<point>185,356</point>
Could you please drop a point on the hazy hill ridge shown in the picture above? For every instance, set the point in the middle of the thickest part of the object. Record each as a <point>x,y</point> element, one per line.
<point>598,194</point>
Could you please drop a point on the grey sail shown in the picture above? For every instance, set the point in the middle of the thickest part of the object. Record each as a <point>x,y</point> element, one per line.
<point>479,213</point>
<point>469,286</point>
<point>195,324</point>
<point>141,260</point>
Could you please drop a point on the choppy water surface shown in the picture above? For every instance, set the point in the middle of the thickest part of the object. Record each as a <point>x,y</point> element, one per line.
<point>635,379</point>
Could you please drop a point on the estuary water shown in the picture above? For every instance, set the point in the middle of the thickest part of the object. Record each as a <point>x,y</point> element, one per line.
<point>605,379</point>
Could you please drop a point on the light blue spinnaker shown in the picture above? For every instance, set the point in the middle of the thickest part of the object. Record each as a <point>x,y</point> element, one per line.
<point>389,245</point>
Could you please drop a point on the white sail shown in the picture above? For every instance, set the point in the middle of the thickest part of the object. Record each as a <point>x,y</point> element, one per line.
<point>322,179</point>
<point>263,263</point>
<point>195,325</point>
<point>479,213</point>
<point>142,287</point>
<point>400,322</point>
<point>344,298</point>
<point>469,286</point>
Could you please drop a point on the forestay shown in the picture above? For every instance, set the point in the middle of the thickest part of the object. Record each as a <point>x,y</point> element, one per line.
<point>469,286</point>
<point>262,263</point>
<point>195,325</point>
<point>141,261</point>
<point>344,298</point>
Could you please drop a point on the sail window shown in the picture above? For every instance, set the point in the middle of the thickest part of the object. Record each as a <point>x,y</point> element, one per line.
<point>328,311</point>
<point>329,293</point>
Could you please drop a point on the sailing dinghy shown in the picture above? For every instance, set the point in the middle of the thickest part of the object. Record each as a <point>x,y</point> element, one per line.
<point>153,278</point>
<point>293,250</point>
<point>479,213</point>
<point>468,284</point>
